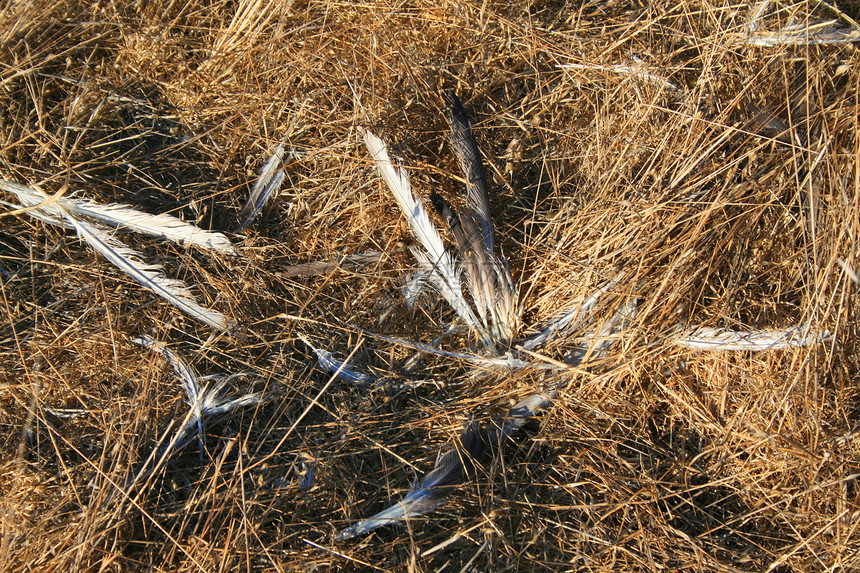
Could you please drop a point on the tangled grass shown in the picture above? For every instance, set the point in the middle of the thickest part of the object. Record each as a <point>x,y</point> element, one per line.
<point>651,141</point>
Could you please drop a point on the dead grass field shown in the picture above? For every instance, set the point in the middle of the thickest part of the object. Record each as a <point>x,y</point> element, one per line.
<point>730,198</point>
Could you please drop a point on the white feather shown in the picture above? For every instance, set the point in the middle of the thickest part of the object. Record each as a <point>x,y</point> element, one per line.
<point>436,261</point>
<point>150,276</point>
<point>165,226</point>
<point>49,212</point>
<point>122,217</point>
<point>752,340</point>
<point>208,402</point>
<point>60,212</point>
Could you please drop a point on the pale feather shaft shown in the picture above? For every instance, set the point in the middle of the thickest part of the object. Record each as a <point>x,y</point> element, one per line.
<point>752,340</point>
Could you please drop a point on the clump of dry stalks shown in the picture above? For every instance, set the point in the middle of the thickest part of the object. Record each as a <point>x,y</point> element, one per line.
<point>714,173</point>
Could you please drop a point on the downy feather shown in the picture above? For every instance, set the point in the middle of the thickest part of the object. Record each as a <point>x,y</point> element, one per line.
<point>752,340</point>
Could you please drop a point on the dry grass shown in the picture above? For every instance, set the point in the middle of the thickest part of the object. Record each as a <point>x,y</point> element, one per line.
<point>658,458</point>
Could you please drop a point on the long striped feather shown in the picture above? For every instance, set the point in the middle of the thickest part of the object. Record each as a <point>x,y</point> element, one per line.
<point>490,281</point>
<point>752,340</point>
<point>150,276</point>
<point>469,157</point>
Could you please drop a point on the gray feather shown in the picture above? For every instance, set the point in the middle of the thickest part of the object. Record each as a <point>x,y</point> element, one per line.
<point>450,470</point>
<point>469,157</point>
<point>266,187</point>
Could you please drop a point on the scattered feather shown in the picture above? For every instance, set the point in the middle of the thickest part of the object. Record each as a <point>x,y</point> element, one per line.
<point>205,402</point>
<point>802,35</point>
<point>126,259</point>
<point>638,70</point>
<point>121,217</point>
<point>506,362</point>
<point>600,339</point>
<point>441,271</point>
<point>450,470</point>
<point>321,267</point>
<point>752,340</point>
<point>165,226</point>
<point>522,412</point>
<point>267,186</point>
<point>568,319</point>
<point>330,364</point>
<point>150,276</point>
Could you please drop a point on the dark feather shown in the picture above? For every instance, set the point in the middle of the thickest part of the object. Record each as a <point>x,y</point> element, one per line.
<point>469,158</point>
<point>450,470</point>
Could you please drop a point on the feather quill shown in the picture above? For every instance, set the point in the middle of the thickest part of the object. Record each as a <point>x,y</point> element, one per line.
<point>267,186</point>
<point>752,340</point>
<point>121,217</point>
